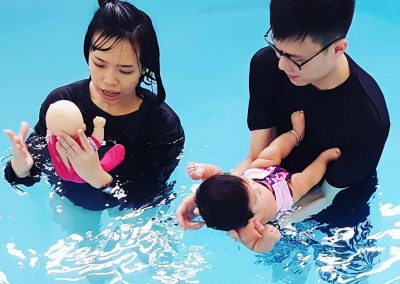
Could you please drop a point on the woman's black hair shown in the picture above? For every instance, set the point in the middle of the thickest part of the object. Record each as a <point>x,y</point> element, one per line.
<point>119,20</point>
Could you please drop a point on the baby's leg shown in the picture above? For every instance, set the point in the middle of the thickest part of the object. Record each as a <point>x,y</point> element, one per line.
<point>283,144</point>
<point>98,131</point>
<point>301,183</point>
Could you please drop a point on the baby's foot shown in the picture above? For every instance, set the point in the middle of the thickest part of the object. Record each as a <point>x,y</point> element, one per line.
<point>195,171</point>
<point>298,123</point>
<point>331,154</point>
<point>99,122</point>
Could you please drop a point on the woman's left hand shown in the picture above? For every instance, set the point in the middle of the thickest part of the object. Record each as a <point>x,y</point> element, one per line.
<point>85,160</point>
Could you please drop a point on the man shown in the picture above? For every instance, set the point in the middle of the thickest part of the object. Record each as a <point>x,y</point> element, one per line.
<point>305,67</point>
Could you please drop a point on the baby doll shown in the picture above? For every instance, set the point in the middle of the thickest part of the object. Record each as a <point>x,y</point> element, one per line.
<point>65,116</point>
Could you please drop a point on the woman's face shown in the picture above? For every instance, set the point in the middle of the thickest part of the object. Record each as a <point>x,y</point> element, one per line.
<point>115,73</point>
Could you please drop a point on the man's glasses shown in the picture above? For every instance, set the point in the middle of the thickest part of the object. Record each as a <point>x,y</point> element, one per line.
<point>280,53</point>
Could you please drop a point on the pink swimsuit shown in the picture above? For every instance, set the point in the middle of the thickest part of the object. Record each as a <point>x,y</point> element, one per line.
<point>112,158</point>
<point>276,180</point>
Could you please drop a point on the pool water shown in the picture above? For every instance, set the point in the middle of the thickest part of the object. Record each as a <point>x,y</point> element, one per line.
<point>206,47</point>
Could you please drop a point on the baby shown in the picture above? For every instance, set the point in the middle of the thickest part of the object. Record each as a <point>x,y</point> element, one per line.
<point>65,116</point>
<point>243,204</point>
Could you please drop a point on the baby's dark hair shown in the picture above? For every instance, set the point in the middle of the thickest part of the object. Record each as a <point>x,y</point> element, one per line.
<point>322,20</point>
<point>223,202</point>
<point>119,20</point>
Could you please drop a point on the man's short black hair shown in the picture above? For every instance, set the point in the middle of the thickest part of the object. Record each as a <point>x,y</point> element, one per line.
<point>223,202</point>
<point>322,20</point>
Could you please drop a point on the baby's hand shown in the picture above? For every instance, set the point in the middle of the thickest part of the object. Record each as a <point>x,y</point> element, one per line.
<point>195,171</point>
<point>99,121</point>
<point>269,236</point>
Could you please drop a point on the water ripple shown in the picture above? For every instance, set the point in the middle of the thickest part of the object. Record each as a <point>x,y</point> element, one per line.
<point>144,241</point>
<point>3,278</point>
<point>341,255</point>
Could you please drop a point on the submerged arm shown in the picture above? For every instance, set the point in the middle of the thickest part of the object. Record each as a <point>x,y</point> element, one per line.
<point>314,202</point>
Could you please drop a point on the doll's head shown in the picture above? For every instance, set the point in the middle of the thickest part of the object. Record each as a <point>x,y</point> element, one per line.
<point>64,116</point>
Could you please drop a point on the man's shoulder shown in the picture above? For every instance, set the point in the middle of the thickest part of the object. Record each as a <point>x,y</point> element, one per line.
<point>371,89</point>
<point>264,69</point>
<point>264,57</point>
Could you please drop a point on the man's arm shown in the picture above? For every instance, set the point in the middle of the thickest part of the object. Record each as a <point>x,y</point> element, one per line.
<point>359,159</point>
<point>259,140</point>
<point>313,202</point>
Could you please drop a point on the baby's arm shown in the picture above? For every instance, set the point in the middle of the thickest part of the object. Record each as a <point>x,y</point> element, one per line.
<point>98,131</point>
<point>258,237</point>
<point>202,171</point>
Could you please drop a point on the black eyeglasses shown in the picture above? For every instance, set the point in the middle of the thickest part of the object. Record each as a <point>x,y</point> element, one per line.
<point>280,53</point>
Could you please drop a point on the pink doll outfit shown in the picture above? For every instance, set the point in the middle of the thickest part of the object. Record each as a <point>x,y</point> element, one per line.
<point>276,180</point>
<point>112,158</point>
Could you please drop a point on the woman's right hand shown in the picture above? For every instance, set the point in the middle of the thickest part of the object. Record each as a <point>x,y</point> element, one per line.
<point>21,161</point>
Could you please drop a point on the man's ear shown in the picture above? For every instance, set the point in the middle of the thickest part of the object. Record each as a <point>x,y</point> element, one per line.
<point>340,46</point>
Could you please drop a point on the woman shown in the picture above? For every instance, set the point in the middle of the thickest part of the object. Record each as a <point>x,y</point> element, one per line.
<point>122,52</point>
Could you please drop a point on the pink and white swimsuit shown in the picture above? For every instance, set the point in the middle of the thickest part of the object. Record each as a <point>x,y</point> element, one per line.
<point>276,180</point>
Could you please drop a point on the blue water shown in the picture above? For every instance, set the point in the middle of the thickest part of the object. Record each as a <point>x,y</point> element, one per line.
<point>206,47</point>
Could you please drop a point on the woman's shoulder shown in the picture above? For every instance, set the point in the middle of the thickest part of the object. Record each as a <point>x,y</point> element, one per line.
<point>161,113</point>
<point>70,91</point>
<point>164,115</point>
<point>161,119</point>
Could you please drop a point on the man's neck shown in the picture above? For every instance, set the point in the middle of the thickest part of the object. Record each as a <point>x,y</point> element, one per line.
<point>336,77</point>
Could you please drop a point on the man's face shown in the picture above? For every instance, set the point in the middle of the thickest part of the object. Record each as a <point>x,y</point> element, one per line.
<point>316,71</point>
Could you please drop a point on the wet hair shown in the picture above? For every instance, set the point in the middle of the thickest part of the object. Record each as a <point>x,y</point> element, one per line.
<point>322,20</point>
<point>118,20</point>
<point>223,202</point>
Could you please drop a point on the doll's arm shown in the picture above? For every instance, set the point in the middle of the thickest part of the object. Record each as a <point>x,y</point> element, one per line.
<point>98,130</point>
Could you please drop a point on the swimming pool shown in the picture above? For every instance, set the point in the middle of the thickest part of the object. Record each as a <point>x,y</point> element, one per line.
<point>206,47</point>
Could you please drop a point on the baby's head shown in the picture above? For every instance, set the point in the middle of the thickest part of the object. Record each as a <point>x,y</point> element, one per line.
<point>64,116</point>
<point>223,202</point>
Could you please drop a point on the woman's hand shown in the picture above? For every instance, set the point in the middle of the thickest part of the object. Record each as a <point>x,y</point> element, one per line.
<point>186,212</point>
<point>21,161</point>
<point>84,160</point>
